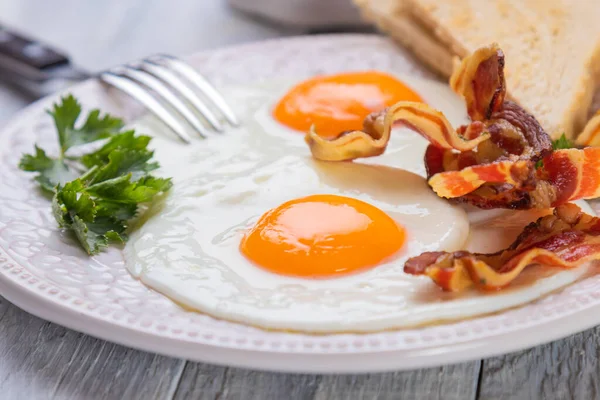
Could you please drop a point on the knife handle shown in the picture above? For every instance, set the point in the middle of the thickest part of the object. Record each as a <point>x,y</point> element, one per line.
<point>27,53</point>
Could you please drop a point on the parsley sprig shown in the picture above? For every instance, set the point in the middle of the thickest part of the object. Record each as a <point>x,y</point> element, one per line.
<point>96,193</point>
<point>561,143</point>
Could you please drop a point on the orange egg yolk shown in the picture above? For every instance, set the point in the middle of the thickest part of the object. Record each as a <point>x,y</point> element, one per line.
<point>339,103</point>
<point>322,235</point>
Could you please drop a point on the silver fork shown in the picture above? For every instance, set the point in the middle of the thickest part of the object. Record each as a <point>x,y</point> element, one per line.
<point>165,79</point>
<point>171,89</point>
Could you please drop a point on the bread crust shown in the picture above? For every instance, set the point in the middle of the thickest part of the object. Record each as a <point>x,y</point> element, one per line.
<point>391,18</point>
<point>552,47</point>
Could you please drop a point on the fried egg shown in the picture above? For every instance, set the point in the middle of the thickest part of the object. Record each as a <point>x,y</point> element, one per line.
<point>338,103</point>
<point>256,231</point>
<point>321,236</point>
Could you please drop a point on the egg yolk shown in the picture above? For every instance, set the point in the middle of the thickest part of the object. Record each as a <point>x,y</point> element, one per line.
<point>322,235</point>
<point>339,103</point>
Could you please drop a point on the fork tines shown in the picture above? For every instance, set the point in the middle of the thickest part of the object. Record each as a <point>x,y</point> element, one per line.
<point>164,79</point>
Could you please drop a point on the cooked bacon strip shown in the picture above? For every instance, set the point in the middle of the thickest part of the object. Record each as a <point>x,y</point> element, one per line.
<point>480,80</point>
<point>488,163</point>
<point>500,172</point>
<point>566,239</point>
<point>575,173</point>
<point>372,141</point>
<point>493,162</point>
<point>565,175</point>
<point>459,183</point>
<point>591,133</point>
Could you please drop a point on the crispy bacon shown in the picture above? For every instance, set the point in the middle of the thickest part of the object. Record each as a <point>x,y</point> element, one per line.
<point>566,239</point>
<point>373,139</point>
<point>466,180</point>
<point>499,173</point>
<point>502,159</point>
<point>480,80</point>
<point>565,175</point>
<point>575,173</point>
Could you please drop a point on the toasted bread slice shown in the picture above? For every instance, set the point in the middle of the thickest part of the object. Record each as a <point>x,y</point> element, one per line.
<point>552,47</point>
<point>391,18</point>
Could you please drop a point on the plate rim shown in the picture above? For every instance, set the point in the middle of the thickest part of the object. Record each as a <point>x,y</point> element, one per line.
<point>288,361</point>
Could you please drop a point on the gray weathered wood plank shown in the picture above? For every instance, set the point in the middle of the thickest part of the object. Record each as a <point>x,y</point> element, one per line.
<point>200,381</point>
<point>41,360</point>
<point>453,382</point>
<point>565,369</point>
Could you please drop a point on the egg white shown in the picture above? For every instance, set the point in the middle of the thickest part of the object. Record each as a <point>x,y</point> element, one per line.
<point>187,248</point>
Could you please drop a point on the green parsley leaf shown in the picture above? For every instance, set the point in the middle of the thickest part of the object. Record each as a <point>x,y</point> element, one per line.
<point>125,140</point>
<point>126,161</point>
<point>94,128</point>
<point>98,214</point>
<point>97,193</point>
<point>56,171</point>
<point>96,236</point>
<point>539,164</point>
<point>122,189</point>
<point>115,209</point>
<point>38,162</point>
<point>562,143</point>
<point>52,171</point>
<point>71,200</point>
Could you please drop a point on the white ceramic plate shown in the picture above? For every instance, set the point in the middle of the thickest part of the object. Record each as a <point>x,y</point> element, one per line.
<point>47,274</point>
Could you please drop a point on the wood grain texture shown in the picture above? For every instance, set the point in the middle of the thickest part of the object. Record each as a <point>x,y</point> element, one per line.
<point>453,382</point>
<point>40,360</point>
<point>565,369</point>
<point>200,381</point>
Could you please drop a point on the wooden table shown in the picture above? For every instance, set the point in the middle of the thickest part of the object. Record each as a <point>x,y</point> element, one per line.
<point>40,360</point>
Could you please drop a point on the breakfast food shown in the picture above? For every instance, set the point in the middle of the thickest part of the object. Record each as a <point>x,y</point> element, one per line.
<point>590,136</point>
<point>391,17</point>
<point>373,139</point>
<point>95,193</point>
<point>554,48</point>
<point>321,236</point>
<point>340,102</point>
<point>505,160</point>
<point>502,159</point>
<point>189,248</point>
<point>566,239</point>
<point>257,231</point>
